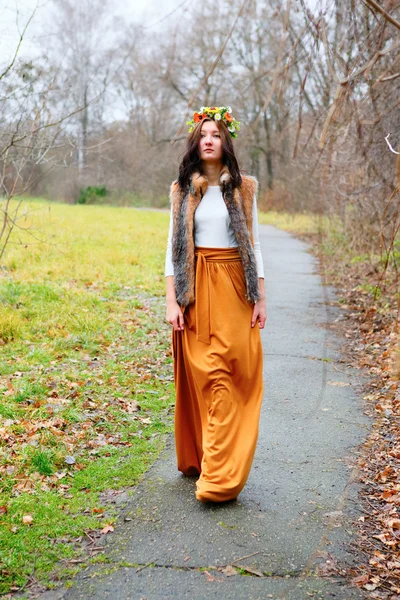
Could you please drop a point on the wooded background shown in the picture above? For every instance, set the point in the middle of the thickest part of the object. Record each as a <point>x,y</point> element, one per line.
<point>315,86</point>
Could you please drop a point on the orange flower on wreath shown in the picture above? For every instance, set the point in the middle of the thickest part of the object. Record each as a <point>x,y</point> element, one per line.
<point>197,117</point>
<point>228,117</point>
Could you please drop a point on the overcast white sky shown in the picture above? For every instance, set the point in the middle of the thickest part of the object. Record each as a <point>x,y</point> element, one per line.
<point>14,15</point>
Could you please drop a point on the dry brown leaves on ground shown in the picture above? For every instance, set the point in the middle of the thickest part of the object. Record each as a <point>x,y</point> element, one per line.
<point>373,346</point>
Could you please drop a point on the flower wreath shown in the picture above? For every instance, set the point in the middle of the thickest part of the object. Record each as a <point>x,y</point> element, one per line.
<point>217,113</point>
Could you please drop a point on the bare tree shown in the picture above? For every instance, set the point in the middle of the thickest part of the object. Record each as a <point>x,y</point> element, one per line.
<point>83,48</point>
<point>29,134</point>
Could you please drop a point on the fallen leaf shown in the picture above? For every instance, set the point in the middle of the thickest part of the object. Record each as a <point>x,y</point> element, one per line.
<point>380,555</point>
<point>27,519</point>
<point>360,580</point>
<point>107,529</point>
<point>394,523</point>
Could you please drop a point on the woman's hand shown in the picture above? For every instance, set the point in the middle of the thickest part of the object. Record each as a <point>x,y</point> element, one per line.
<point>259,313</point>
<point>260,307</point>
<point>175,316</point>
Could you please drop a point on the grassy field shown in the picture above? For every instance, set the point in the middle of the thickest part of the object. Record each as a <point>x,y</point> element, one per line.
<point>300,223</point>
<point>86,390</point>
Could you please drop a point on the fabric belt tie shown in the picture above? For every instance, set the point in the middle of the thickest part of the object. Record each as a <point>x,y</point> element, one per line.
<point>202,303</point>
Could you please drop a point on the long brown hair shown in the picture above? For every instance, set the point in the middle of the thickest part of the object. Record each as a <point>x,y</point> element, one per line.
<point>191,161</point>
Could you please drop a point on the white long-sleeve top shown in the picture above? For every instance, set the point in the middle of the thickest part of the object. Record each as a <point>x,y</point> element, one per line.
<point>213,228</point>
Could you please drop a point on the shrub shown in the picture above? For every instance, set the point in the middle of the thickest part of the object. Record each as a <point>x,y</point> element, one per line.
<point>92,194</point>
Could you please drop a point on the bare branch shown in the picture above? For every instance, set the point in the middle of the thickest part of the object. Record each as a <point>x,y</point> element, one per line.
<point>390,146</point>
<point>166,16</point>
<point>284,37</point>
<point>211,70</point>
<point>370,63</point>
<point>21,38</point>
<point>383,12</point>
<point>388,78</point>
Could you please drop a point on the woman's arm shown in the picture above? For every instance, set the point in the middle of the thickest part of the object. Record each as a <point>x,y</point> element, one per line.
<point>257,246</point>
<point>174,313</point>
<point>260,307</point>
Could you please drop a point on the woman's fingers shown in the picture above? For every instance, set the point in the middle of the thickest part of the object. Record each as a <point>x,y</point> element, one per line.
<point>262,319</point>
<point>177,321</point>
<point>174,316</point>
<point>260,316</point>
<point>261,322</point>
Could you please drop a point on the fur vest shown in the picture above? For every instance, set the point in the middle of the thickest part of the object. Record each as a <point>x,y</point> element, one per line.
<point>239,202</point>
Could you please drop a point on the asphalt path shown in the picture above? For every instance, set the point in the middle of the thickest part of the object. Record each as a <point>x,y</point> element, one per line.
<point>292,523</point>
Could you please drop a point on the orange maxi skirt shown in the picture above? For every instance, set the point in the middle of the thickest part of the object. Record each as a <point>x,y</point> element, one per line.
<point>218,379</point>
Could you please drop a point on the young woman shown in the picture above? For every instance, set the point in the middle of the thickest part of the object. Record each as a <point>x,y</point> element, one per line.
<point>216,306</point>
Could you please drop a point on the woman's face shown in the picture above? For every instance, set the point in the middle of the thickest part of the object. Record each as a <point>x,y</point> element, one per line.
<point>210,145</point>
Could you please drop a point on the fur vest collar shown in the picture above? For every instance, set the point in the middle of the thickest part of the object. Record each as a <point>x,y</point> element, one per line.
<point>239,202</point>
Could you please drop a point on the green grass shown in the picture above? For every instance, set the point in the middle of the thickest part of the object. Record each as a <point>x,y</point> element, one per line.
<point>85,372</point>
